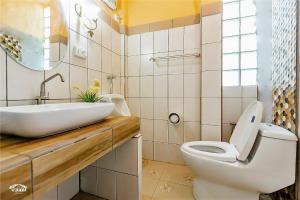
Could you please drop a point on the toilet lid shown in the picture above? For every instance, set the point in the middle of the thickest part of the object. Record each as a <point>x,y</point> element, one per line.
<point>246,130</point>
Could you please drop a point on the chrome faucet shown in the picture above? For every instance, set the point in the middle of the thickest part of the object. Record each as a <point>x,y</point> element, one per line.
<point>43,88</point>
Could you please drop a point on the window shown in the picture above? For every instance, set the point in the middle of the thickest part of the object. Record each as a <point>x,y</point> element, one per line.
<point>239,43</point>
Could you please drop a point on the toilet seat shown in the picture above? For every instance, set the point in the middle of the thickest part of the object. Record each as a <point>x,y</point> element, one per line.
<point>220,151</point>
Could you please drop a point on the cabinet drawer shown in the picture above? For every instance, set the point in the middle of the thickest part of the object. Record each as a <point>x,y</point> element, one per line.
<point>51,169</point>
<point>20,173</point>
<point>125,131</point>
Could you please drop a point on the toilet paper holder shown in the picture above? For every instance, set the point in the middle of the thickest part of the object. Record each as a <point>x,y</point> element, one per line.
<point>174,118</point>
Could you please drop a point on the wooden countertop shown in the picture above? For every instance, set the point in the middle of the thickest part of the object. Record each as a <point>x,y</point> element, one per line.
<point>61,152</point>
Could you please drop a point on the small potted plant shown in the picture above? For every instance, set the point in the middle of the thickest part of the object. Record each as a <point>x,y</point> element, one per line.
<point>91,95</point>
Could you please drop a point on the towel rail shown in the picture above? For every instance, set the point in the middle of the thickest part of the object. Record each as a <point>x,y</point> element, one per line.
<point>153,59</point>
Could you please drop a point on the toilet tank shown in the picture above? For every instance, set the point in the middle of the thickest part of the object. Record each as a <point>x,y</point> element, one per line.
<point>274,157</point>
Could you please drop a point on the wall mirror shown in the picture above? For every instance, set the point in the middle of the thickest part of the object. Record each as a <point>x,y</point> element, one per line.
<point>34,33</point>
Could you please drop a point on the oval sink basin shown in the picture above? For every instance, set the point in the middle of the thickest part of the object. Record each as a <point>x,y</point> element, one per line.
<point>49,119</point>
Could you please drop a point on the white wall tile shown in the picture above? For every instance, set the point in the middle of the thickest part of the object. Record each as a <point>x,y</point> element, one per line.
<point>129,157</point>
<point>107,185</point>
<point>22,83</point>
<point>2,75</point>
<point>161,108</point>
<point>211,84</point>
<point>133,87</point>
<point>123,43</point>
<point>133,66</point>
<point>161,151</point>
<point>249,91</point>
<point>176,39</point>
<point>211,28</point>
<point>106,60</point>
<point>211,111</point>
<point>106,35</point>
<point>161,130</point>
<point>79,41</point>
<point>192,131</point>
<point>161,41</point>
<point>147,86</point>
<point>108,161</point>
<point>168,153</point>
<point>146,65</point>
<point>21,102</point>
<point>148,150</point>
<point>56,88</point>
<point>94,55</point>
<point>160,67</point>
<point>129,187</point>
<point>147,129</point>
<point>232,91</point>
<point>88,180</point>
<point>78,77</point>
<point>134,45</point>
<point>117,85</point>
<point>50,195</point>
<point>192,64</point>
<point>92,75</point>
<point>175,154</point>
<point>176,85</point>
<point>116,42</point>
<point>192,109</point>
<point>147,43</point>
<point>176,133</point>
<point>210,133</point>
<point>226,132</point>
<point>232,109</point>
<point>105,83</point>
<point>176,106</point>
<point>161,86</point>
<point>134,106</point>
<point>192,85</point>
<point>192,34</point>
<point>247,101</point>
<point>69,188</point>
<point>176,64</point>
<point>211,56</point>
<point>147,108</point>
<point>116,64</point>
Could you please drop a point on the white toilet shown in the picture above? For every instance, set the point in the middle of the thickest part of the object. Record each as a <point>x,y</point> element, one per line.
<point>260,158</point>
<point>121,107</point>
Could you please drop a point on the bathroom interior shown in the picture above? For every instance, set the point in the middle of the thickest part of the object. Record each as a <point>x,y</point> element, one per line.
<point>149,99</point>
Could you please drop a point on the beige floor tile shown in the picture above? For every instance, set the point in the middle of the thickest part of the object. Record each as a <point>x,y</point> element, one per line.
<point>170,191</point>
<point>149,186</point>
<point>153,169</point>
<point>179,174</point>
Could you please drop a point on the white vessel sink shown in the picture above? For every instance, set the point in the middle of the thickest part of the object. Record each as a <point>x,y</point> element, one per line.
<point>48,119</point>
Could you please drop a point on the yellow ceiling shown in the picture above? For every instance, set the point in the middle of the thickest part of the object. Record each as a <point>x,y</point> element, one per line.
<point>139,12</point>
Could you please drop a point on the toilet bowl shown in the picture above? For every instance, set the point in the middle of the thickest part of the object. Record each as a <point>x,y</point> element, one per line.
<point>260,158</point>
<point>121,107</point>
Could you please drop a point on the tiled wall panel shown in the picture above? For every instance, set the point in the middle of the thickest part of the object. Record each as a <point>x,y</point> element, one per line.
<point>156,89</point>
<point>211,84</point>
